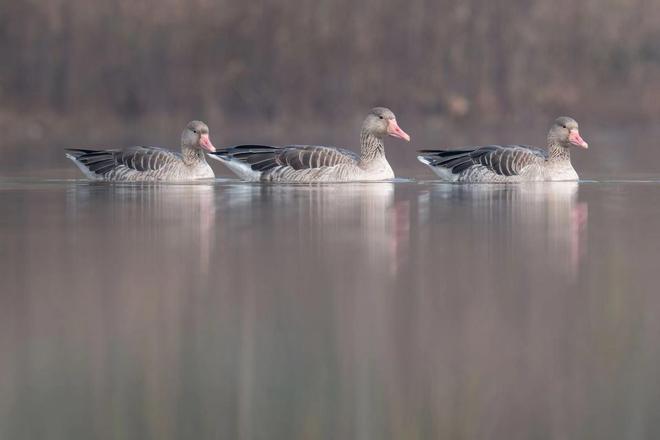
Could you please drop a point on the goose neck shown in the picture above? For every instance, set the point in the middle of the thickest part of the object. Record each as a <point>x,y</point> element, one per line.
<point>371,146</point>
<point>558,153</point>
<point>192,156</point>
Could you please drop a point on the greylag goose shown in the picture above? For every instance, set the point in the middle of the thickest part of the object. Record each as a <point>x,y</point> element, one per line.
<point>307,163</point>
<point>511,163</point>
<point>150,164</point>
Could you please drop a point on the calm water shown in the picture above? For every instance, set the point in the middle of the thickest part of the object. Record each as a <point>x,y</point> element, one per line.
<point>407,310</point>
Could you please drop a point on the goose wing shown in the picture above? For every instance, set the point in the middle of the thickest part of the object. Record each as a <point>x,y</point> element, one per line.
<point>262,158</point>
<point>100,162</point>
<point>505,160</point>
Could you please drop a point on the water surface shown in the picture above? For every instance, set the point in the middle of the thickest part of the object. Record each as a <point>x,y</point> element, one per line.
<point>405,310</point>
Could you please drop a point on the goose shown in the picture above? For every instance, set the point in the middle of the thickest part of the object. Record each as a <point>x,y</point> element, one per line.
<point>150,164</point>
<point>314,163</point>
<point>511,163</point>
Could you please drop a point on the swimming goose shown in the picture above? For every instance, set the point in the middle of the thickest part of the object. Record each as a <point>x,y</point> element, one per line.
<point>511,163</point>
<point>307,163</point>
<point>150,164</point>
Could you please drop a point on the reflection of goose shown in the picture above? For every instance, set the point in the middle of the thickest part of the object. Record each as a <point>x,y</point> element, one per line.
<point>179,218</point>
<point>123,274</point>
<point>544,217</point>
<point>303,250</point>
<point>356,217</point>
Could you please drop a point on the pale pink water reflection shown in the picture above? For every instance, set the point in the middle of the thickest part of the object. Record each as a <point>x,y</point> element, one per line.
<point>393,310</point>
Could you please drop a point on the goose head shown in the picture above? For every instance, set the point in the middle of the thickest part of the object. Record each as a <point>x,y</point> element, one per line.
<point>565,133</point>
<point>381,122</point>
<point>196,136</point>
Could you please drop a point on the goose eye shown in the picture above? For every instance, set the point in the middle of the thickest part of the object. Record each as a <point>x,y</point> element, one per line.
<point>380,117</point>
<point>195,131</point>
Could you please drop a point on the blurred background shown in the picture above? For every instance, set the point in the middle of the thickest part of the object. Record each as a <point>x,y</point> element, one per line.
<point>407,310</point>
<point>119,73</point>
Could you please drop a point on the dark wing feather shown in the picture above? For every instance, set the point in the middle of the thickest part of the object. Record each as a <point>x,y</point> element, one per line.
<point>506,160</point>
<point>136,158</point>
<point>299,157</point>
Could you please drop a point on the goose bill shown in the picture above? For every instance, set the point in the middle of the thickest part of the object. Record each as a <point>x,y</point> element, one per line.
<point>205,143</point>
<point>394,130</point>
<point>575,139</point>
